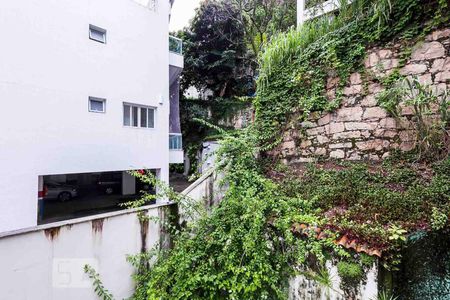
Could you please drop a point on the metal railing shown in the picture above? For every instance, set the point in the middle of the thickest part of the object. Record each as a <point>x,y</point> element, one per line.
<point>175,141</point>
<point>306,12</point>
<point>175,45</point>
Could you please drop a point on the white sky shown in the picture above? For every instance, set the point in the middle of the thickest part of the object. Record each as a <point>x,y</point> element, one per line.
<point>182,12</point>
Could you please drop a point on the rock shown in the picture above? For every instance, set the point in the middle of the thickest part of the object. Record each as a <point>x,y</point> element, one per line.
<point>349,114</point>
<point>359,126</point>
<point>308,124</point>
<point>406,110</point>
<point>315,131</point>
<point>440,34</point>
<point>428,51</point>
<point>305,144</point>
<point>303,160</point>
<point>340,145</point>
<point>320,151</point>
<point>438,65</point>
<point>289,145</point>
<point>352,90</point>
<point>324,120</point>
<point>350,101</point>
<point>321,139</point>
<point>407,135</point>
<point>442,76</point>
<point>332,82</point>
<point>388,64</point>
<point>374,112</point>
<point>390,133</point>
<point>368,101</point>
<point>347,135</point>
<point>439,89</point>
<point>407,146</point>
<point>388,123</point>
<point>375,88</point>
<point>335,127</point>
<point>370,145</point>
<point>425,79</point>
<point>354,156</point>
<point>355,78</point>
<point>413,69</point>
<point>371,60</point>
<point>386,155</point>
<point>373,157</point>
<point>331,94</point>
<point>339,154</point>
<point>385,53</point>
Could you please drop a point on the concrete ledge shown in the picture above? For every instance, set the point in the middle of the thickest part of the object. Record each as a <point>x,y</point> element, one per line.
<point>83,219</point>
<point>199,181</point>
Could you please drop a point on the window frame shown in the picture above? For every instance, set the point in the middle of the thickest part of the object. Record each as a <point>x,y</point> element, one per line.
<point>139,108</point>
<point>98,29</point>
<point>103,100</point>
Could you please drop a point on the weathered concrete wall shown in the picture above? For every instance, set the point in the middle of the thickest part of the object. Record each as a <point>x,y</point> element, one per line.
<point>302,288</point>
<point>359,128</point>
<point>46,262</point>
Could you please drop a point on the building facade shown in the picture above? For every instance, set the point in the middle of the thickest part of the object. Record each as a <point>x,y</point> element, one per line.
<point>85,94</point>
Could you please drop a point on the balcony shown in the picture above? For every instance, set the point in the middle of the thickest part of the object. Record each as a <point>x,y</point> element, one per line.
<point>175,148</point>
<point>175,45</point>
<point>176,52</point>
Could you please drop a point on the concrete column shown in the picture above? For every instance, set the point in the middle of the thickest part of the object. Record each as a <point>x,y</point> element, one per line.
<point>162,175</point>
<point>40,198</point>
<point>128,184</point>
<point>300,12</point>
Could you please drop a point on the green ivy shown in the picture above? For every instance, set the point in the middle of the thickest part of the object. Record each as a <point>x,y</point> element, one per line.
<point>295,65</point>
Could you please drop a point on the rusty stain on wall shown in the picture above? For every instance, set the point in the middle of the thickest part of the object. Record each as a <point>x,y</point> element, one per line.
<point>52,233</point>
<point>97,225</point>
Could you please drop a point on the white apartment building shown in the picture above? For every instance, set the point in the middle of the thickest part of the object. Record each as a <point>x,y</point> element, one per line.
<point>88,91</point>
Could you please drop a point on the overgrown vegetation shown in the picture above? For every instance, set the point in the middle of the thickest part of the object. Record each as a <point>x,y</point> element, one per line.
<point>295,65</point>
<point>246,248</point>
<point>430,119</point>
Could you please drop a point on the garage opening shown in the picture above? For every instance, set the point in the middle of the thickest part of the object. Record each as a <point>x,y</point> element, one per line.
<point>69,196</point>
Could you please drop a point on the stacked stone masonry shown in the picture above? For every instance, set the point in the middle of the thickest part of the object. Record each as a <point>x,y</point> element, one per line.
<point>359,129</point>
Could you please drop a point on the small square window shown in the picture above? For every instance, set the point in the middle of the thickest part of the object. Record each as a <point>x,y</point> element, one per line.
<point>97,34</point>
<point>97,105</point>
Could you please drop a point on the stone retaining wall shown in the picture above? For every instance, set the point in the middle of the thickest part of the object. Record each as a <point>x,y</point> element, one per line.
<point>359,129</point>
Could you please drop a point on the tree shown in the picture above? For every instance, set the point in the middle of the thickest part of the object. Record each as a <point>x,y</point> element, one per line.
<point>215,51</point>
<point>261,19</point>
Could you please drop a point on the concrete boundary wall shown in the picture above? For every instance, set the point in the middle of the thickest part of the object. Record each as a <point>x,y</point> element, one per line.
<point>46,262</point>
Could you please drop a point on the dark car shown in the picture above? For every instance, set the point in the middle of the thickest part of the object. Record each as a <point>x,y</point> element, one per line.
<point>110,182</point>
<point>62,192</point>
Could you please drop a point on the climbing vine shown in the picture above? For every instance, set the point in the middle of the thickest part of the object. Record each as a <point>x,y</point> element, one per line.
<point>295,65</point>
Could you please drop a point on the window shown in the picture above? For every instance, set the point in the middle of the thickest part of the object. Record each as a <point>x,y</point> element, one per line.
<point>175,141</point>
<point>97,105</point>
<point>138,116</point>
<point>97,34</point>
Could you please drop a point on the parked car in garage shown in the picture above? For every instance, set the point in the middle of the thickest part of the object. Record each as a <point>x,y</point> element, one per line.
<point>60,191</point>
<point>110,182</point>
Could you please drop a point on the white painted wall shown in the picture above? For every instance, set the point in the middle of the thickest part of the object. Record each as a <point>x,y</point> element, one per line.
<point>36,267</point>
<point>303,288</point>
<point>208,155</point>
<point>48,69</point>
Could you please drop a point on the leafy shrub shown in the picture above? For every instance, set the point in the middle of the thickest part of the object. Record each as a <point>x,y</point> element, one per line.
<point>350,272</point>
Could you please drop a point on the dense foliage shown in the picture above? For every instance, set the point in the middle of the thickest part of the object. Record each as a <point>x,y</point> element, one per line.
<point>244,248</point>
<point>367,202</point>
<point>295,65</point>
<point>214,51</point>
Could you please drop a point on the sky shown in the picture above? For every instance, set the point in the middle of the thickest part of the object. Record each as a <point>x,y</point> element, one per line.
<point>182,12</point>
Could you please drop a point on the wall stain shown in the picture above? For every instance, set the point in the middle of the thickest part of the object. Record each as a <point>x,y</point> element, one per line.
<point>97,225</point>
<point>52,233</point>
<point>144,231</point>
